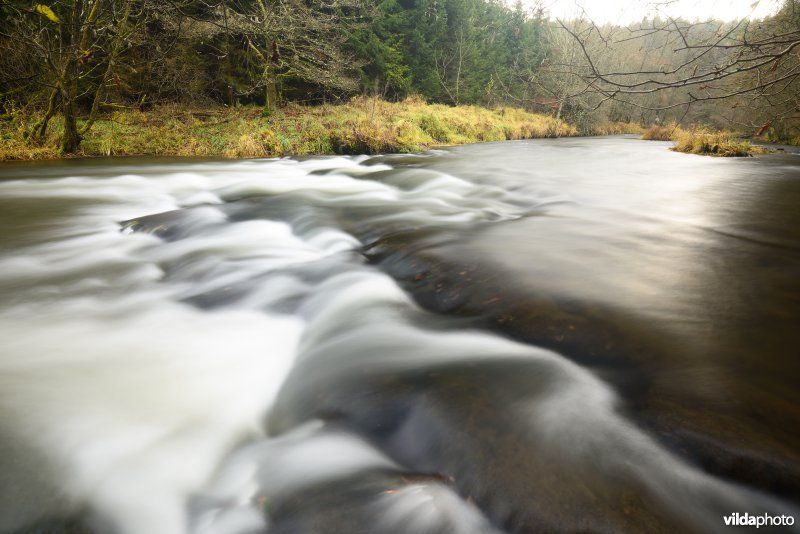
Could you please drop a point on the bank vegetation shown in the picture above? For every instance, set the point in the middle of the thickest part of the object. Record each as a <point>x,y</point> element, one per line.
<point>362,126</point>
<point>704,141</point>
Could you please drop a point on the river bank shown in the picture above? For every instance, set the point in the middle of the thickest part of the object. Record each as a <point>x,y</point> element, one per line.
<point>362,126</point>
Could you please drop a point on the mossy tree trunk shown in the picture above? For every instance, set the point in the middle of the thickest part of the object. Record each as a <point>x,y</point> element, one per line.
<point>116,49</point>
<point>70,139</point>
<point>80,44</point>
<point>271,95</point>
<point>39,130</point>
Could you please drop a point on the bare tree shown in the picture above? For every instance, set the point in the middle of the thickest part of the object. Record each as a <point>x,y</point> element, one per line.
<point>560,87</point>
<point>696,61</point>
<point>68,51</point>
<point>449,66</point>
<point>301,40</point>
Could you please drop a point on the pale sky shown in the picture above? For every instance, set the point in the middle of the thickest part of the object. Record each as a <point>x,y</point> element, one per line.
<point>625,11</point>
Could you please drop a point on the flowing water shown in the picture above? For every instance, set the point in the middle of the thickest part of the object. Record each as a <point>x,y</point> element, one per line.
<point>576,335</point>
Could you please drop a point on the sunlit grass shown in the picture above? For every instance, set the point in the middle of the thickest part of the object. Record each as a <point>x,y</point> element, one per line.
<point>663,132</point>
<point>703,141</point>
<point>364,125</point>
<point>616,128</point>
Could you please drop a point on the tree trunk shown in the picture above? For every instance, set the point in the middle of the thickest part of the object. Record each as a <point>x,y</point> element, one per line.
<point>270,95</point>
<point>39,129</point>
<point>115,50</point>
<point>70,140</point>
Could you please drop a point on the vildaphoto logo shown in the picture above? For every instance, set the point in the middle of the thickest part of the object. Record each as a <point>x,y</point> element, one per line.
<point>747,520</point>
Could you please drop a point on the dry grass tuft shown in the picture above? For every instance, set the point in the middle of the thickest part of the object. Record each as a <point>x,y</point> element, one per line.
<point>666,132</point>
<point>721,144</point>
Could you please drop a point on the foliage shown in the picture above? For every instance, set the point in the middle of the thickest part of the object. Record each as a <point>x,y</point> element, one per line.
<point>66,63</point>
<point>385,71</point>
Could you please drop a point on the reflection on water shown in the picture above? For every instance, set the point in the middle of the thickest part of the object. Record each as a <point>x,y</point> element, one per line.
<point>561,335</point>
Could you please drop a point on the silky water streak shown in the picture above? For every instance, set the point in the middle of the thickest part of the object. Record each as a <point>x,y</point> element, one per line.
<point>230,363</point>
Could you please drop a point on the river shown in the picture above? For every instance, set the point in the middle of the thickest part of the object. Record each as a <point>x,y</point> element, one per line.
<point>564,335</point>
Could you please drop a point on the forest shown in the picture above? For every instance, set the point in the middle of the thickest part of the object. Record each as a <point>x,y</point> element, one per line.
<point>75,62</point>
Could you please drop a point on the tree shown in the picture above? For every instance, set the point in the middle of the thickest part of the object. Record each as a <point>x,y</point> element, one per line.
<point>425,32</point>
<point>300,40</point>
<point>561,88</point>
<point>69,52</point>
<point>380,47</point>
<point>700,61</point>
<point>515,62</point>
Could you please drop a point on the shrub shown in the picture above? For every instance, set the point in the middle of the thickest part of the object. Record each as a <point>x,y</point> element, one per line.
<point>363,137</point>
<point>617,128</point>
<point>434,127</point>
<point>666,132</point>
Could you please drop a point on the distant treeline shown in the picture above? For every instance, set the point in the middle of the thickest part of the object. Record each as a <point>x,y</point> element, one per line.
<point>80,59</point>
<point>266,52</point>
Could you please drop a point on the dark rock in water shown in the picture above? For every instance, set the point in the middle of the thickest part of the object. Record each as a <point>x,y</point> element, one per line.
<point>172,225</point>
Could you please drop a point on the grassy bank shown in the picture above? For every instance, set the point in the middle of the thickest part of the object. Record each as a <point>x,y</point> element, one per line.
<point>703,141</point>
<point>722,144</point>
<point>363,126</point>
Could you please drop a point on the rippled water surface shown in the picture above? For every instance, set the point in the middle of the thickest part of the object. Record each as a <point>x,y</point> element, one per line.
<point>573,335</point>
